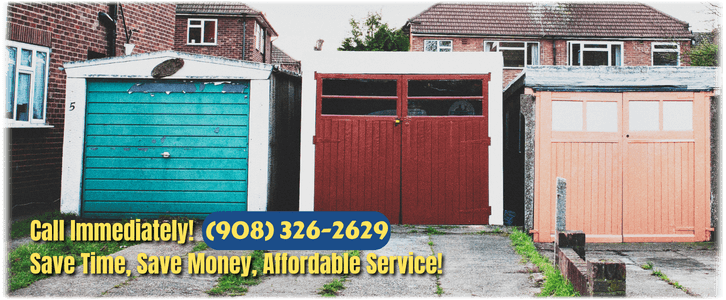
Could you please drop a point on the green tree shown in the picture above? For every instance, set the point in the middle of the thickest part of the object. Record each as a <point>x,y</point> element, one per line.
<point>371,34</point>
<point>704,55</point>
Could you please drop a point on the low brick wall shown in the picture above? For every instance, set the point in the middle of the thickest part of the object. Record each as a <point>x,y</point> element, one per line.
<point>574,269</point>
<point>592,277</point>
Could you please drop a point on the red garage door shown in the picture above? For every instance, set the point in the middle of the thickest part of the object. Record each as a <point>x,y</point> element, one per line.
<point>413,147</point>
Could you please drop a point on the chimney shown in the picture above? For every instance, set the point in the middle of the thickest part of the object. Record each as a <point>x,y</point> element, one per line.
<point>319,45</point>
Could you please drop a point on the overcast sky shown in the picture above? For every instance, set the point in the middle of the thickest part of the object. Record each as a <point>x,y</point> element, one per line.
<point>301,23</point>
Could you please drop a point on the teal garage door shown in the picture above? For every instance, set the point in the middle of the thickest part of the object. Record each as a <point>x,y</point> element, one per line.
<point>165,148</point>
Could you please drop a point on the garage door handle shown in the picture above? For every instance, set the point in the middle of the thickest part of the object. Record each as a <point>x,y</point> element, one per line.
<point>165,155</point>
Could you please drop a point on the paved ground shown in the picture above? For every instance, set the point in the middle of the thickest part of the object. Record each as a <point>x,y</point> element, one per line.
<point>693,265</point>
<point>475,265</point>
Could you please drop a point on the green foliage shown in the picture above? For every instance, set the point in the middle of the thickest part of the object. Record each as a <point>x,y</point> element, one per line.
<point>647,265</point>
<point>439,290</point>
<point>200,246</point>
<point>22,228</point>
<point>20,275</point>
<point>555,284</point>
<point>431,243</point>
<point>430,230</point>
<point>371,34</point>
<point>236,285</point>
<point>352,253</point>
<point>332,288</point>
<point>704,55</point>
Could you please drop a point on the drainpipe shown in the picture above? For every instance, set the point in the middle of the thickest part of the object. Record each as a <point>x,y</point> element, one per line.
<point>554,52</point>
<point>108,20</point>
<point>244,38</point>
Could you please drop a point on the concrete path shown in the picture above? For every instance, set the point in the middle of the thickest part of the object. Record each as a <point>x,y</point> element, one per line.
<point>693,265</point>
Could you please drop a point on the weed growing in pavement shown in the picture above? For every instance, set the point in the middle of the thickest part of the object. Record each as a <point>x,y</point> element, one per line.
<point>665,278</point>
<point>555,284</point>
<point>431,243</point>
<point>647,266</point>
<point>332,288</point>
<point>236,285</point>
<point>439,290</point>
<point>430,230</point>
<point>200,246</point>
<point>409,226</point>
<point>412,231</point>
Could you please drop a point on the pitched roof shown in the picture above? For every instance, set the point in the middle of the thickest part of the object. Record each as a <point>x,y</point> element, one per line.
<point>280,57</point>
<point>585,20</point>
<point>223,9</point>
<point>215,8</point>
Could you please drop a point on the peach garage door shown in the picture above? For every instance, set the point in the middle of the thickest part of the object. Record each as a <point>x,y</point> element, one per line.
<point>635,163</point>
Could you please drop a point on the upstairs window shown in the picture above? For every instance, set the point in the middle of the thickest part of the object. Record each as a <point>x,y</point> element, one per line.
<point>516,54</point>
<point>260,38</point>
<point>26,84</point>
<point>595,53</point>
<point>438,46</point>
<point>665,54</point>
<point>202,32</point>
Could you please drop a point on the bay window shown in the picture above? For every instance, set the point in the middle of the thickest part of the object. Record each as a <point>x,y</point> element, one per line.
<point>26,85</point>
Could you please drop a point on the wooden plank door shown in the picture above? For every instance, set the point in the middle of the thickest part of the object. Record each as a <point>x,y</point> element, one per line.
<point>129,124</point>
<point>358,144</point>
<point>414,148</point>
<point>445,150</point>
<point>665,146</point>
<point>579,139</point>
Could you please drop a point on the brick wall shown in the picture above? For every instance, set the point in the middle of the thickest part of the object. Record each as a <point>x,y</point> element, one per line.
<point>70,30</point>
<point>230,33</point>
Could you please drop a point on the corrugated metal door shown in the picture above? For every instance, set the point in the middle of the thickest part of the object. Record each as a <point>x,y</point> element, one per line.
<point>414,148</point>
<point>165,148</point>
<point>635,163</point>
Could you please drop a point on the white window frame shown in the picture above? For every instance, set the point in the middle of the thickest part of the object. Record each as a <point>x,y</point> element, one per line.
<point>439,46</point>
<point>259,38</point>
<point>12,122</point>
<point>677,51</point>
<point>202,27</point>
<point>525,48</point>
<point>608,49</point>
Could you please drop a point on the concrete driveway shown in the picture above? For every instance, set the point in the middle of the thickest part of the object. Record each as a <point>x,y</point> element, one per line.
<point>475,264</point>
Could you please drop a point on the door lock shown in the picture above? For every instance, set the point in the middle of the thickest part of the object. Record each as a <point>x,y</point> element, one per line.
<point>165,155</point>
<point>398,121</point>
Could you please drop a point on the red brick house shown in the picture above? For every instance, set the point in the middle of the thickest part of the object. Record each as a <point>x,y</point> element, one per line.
<point>231,30</point>
<point>573,34</point>
<point>40,38</point>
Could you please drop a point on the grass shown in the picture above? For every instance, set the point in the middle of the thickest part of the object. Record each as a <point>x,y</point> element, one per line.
<point>200,246</point>
<point>448,226</point>
<point>431,230</point>
<point>665,278</point>
<point>439,290</point>
<point>431,243</point>
<point>20,275</point>
<point>647,265</point>
<point>21,229</point>
<point>332,288</point>
<point>555,284</point>
<point>236,285</point>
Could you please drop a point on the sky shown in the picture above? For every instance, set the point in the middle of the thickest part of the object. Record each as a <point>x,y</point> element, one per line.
<point>300,24</point>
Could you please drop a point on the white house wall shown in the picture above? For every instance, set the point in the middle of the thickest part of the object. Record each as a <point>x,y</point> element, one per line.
<point>403,63</point>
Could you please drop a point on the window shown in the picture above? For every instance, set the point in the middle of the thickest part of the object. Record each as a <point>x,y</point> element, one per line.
<point>516,54</point>
<point>260,37</point>
<point>27,84</point>
<point>665,54</point>
<point>646,116</point>
<point>596,117</point>
<point>202,31</point>
<point>595,53</point>
<point>438,46</point>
